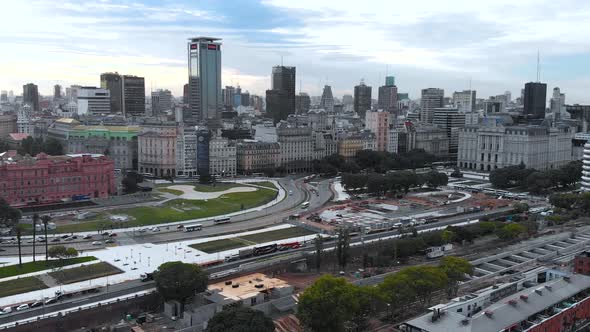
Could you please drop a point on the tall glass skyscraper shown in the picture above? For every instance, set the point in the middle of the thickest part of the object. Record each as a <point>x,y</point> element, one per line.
<point>204,78</point>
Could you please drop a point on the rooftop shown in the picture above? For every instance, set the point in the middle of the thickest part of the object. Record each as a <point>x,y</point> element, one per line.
<point>202,38</point>
<point>248,286</point>
<point>507,311</point>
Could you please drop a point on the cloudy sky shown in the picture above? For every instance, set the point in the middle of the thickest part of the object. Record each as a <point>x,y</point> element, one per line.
<point>423,43</point>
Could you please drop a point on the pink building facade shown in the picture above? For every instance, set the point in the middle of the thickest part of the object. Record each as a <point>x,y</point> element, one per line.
<point>378,123</point>
<point>47,179</point>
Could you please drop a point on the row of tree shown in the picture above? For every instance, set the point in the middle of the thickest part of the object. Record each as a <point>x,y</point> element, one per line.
<point>393,182</point>
<point>534,181</point>
<point>333,304</point>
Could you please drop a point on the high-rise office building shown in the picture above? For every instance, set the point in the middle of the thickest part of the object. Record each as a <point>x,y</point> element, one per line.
<point>431,98</point>
<point>464,100</point>
<point>327,102</point>
<point>508,95</point>
<point>31,96</point>
<point>204,66</point>
<point>387,98</point>
<point>535,99</point>
<point>557,103</point>
<point>185,94</point>
<point>133,95</point>
<point>57,91</point>
<point>228,95</point>
<point>245,99</point>
<point>347,100</point>
<point>112,82</point>
<point>92,100</point>
<point>161,101</point>
<point>362,99</point>
<point>302,103</point>
<point>3,96</point>
<point>280,100</point>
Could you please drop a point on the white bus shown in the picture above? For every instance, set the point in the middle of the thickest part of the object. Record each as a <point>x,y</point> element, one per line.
<point>192,228</point>
<point>304,205</point>
<point>222,220</point>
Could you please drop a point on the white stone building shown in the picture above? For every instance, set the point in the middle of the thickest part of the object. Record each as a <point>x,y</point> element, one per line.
<point>222,157</point>
<point>485,148</point>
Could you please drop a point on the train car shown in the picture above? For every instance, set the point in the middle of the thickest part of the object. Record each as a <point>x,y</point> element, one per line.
<point>264,250</point>
<point>290,245</point>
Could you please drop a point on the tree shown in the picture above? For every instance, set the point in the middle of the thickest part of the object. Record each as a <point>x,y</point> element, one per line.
<point>448,236</point>
<point>521,207</point>
<point>319,248</point>
<point>57,252</point>
<point>342,247</point>
<point>330,304</point>
<point>179,281</point>
<point>457,173</point>
<point>564,201</point>
<point>130,182</point>
<point>413,283</point>
<point>510,231</point>
<point>240,319</point>
<point>45,220</point>
<point>436,179</point>
<point>52,147</point>
<point>8,214</point>
<point>35,222</point>
<point>456,269</point>
<point>19,232</point>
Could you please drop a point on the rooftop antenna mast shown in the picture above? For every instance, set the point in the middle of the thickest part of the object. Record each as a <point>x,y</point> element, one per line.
<point>538,68</point>
<point>281,61</point>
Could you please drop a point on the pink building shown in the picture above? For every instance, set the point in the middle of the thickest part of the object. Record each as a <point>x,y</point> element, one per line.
<point>47,179</point>
<point>378,123</point>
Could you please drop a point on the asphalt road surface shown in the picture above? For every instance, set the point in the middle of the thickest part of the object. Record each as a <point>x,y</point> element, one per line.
<point>317,194</point>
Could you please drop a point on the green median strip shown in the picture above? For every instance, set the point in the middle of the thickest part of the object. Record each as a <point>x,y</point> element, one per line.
<point>15,270</point>
<point>83,273</point>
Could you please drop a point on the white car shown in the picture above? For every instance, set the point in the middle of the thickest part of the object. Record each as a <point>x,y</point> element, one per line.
<point>22,307</point>
<point>96,243</point>
<point>155,229</point>
<point>7,310</point>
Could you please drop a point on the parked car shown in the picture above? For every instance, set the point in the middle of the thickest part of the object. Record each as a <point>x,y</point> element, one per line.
<point>112,234</point>
<point>7,310</point>
<point>65,236</point>
<point>109,241</point>
<point>22,307</point>
<point>50,301</point>
<point>56,239</point>
<point>155,229</point>
<point>36,304</point>
<point>96,243</point>
<point>105,234</point>
<point>87,237</point>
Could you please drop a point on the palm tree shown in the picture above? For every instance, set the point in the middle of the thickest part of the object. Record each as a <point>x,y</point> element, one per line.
<point>45,219</point>
<point>19,230</point>
<point>35,221</point>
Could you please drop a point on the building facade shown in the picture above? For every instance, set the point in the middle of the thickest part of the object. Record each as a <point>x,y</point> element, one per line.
<point>93,101</point>
<point>327,101</point>
<point>112,82</point>
<point>31,96</point>
<point>50,179</point>
<point>387,99</point>
<point>186,152</point>
<point>119,143</point>
<point>535,99</point>
<point>204,67</point>
<point>486,148</point>
<point>451,120</point>
<point>585,183</point>
<point>302,103</point>
<point>431,98</point>
<point>161,102</point>
<point>133,95</point>
<point>7,124</point>
<point>464,100</point>
<point>222,157</point>
<point>157,148</point>
<point>24,121</point>
<point>256,156</point>
<point>280,100</point>
<point>378,122</point>
<point>297,147</point>
<point>362,99</point>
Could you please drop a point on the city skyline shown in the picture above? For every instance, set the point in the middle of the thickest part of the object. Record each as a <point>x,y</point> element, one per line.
<point>420,43</point>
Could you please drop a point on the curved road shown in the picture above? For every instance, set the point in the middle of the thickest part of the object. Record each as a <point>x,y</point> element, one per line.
<point>316,195</point>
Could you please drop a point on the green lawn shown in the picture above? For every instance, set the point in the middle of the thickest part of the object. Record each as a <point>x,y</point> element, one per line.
<point>266,184</point>
<point>171,191</point>
<point>82,273</point>
<point>177,210</point>
<point>22,285</point>
<point>278,234</point>
<point>13,270</point>
<point>219,245</point>
<point>242,241</point>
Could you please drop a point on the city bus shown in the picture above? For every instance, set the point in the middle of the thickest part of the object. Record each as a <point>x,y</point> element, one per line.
<point>222,220</point>
<point>192,228</point>
<point>304,205</point>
